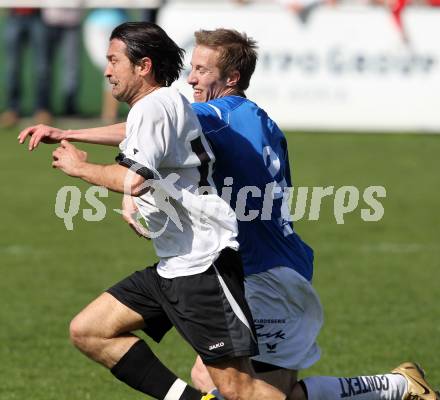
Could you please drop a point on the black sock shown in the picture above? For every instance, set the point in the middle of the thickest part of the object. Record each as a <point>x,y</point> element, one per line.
<point>191,394</point>
<point>140,369</point>
<point>304,388</point>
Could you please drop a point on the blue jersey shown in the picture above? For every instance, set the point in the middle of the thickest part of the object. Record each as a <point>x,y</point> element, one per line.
<point>251,149</point>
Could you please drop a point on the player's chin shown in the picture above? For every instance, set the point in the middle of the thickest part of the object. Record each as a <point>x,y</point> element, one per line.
<point>118,95</point>
<point>198,97</point>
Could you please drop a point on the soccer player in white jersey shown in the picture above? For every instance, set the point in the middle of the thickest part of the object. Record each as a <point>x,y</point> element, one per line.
<point>222,65</point>
<point>197,286</point>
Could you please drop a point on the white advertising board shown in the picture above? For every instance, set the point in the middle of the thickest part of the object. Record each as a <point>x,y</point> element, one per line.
<point>81,3</point>
<point>345,69</point>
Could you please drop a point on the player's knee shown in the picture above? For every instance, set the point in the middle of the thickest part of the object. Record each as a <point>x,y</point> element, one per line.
<point>79,334</point>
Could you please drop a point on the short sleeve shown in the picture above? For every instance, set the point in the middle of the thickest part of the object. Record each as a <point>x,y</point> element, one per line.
<point>147,137</point>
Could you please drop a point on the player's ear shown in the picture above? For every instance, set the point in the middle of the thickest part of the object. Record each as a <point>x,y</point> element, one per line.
<point>233,78</point>
<point>145,66</point>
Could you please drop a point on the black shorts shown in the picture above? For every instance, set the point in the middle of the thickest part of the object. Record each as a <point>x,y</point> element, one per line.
<point>208,309</point>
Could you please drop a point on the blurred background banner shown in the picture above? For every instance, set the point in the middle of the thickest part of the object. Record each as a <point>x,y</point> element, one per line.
<point>331,65</point>
<point>344,67</point>
<point>81,3</point>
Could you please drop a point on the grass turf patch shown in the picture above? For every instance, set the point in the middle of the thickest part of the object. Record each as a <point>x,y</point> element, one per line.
<point>378,281</point>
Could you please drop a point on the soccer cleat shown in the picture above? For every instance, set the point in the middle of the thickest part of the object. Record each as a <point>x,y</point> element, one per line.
<point>209,396</point>
<point>214,394</point>
<point>418,388</point>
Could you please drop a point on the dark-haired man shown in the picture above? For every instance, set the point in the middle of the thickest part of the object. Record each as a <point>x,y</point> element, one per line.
<point>197,286</point>
<point>251,152</point>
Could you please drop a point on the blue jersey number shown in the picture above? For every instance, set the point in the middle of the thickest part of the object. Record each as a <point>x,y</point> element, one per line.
<point>273,165</point>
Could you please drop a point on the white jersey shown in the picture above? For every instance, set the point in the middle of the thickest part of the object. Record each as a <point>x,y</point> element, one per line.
<point>164,143</point>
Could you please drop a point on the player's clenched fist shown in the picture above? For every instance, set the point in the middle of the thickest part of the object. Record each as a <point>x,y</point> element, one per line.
<point>68,158</point>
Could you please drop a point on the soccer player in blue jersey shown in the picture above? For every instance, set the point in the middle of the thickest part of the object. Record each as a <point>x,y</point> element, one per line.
<point>252,171</point>
<point>252,153</point>
<point>253,165</point>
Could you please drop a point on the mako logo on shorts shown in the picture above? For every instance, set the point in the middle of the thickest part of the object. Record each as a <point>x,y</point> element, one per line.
<point>216,346</point>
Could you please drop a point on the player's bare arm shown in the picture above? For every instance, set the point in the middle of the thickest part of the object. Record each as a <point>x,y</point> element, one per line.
<point>110,135</point>
<point>115,177</point>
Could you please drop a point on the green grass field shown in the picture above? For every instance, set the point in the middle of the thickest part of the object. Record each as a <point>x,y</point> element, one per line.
<point>378,281</point>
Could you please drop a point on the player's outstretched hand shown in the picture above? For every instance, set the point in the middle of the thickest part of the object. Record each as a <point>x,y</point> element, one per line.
<point>68,158</point>
<point>130,214</point>
<point>40,133</point>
